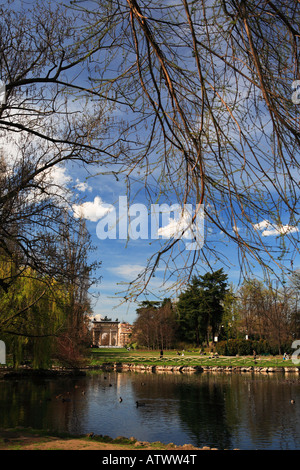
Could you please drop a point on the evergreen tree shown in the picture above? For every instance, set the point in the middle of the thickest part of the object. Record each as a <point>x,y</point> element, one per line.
<point>192,321</point>
<point>200,307</point>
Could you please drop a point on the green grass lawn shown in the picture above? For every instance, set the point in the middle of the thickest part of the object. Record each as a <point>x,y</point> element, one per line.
<point>112,355</point>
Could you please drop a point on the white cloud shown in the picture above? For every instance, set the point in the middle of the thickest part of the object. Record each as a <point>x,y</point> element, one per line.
<point>180,228</point>
<point>58,176</point>
<point>269,229</point>
<point>236,229</point>
<point>130,272</point>
<point>51,184</point>
<point>262,225</point>
<point>127,270</point>
<point>280,230</point>
<point>56,181</point>
<point>92,211</point>
<point>82,186</point>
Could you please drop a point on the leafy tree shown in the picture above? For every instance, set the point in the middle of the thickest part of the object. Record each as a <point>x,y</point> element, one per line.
<point>32,316</point>
<point>192,319</point>
<point>200,306</point>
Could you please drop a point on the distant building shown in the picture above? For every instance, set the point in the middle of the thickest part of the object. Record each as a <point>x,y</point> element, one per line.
<point>107,333</point>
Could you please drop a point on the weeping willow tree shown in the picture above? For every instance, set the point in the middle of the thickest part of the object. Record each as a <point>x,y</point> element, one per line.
<point>32,317</point>
<point>45,318</point>
<point>206,113</point>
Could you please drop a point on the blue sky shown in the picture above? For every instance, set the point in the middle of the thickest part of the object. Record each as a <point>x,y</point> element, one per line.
<point>123,260</point>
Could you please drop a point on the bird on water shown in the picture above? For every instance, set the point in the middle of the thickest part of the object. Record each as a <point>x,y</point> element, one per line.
<point>139,404</point>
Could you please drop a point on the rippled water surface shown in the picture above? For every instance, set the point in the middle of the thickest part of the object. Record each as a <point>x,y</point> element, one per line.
<point>227,411</point>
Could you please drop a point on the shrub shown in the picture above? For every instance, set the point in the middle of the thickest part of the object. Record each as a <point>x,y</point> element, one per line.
<point>244,347</point>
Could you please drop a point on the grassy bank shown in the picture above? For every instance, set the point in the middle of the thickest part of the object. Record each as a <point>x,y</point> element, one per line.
<point>99,357</point>
<point>30,439</point>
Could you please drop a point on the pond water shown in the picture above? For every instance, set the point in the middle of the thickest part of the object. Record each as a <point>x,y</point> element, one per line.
<point>245,411</point>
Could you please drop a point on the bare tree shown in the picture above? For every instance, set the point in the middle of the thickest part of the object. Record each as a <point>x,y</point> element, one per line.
<point>155,326</point>
<point>205,94</point>
<point>78,275</point>
<point>46,121</point>
<point>267,312</point>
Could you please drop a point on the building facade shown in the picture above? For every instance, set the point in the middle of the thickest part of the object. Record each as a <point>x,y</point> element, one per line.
<point>107,333</point>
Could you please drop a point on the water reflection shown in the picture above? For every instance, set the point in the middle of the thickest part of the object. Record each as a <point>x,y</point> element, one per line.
<point>242,411</point>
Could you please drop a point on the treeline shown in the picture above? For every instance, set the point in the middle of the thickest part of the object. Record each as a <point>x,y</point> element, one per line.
<point>257,316</point>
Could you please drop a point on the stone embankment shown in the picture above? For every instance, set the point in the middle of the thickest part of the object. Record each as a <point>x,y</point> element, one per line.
<point>7,373</point>
<point>196,369</point>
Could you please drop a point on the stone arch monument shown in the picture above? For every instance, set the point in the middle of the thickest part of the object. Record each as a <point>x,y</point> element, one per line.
<point>108,333</point>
